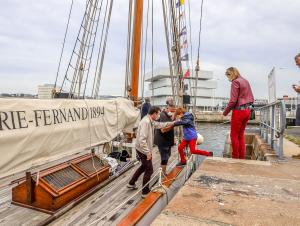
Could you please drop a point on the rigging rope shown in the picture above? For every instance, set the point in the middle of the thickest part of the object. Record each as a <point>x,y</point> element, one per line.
<point>197,68</point>
<point>98,19</point>
<point>155,174</point>
<point>86,40</point>
<point>191,43</point>
<point>91,26</point>
<point>190,60</point>
<point>128,55</point>
<point>83,51</point>
<point>145,49</point>
<point>69,64</point>
<point>104,48</point>
<point>152,49</point>
<point>63,47</point>
<point>125,201</point>
<point>168,46</point>
<point>200,29</point>
<point>168,20</point>
<point>177,52</point>
<point>99,51</point>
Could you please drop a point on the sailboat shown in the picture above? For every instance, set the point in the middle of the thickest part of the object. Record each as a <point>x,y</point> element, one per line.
<point>39,133</point>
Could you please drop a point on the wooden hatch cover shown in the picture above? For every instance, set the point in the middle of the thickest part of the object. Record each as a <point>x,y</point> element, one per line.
<point>58,185</point>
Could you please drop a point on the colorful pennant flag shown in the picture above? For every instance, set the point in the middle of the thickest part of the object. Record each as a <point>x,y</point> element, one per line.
<point>183,31</point>
<point>185,57</point>
<point>179,3</point>
<point>187,73</point>
<point>184,45</point>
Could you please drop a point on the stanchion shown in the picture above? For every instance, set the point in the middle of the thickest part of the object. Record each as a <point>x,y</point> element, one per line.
<point>159,187</point>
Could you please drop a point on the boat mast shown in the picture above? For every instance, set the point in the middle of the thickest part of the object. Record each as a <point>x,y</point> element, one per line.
<point>136,48</point>
<point>176,52</point>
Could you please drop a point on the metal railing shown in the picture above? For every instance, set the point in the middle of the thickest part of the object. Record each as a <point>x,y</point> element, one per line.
<point>273,124</point>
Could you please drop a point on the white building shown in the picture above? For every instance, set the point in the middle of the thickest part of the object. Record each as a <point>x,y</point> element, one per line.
<point>45,91</point>
<point>160,87</point>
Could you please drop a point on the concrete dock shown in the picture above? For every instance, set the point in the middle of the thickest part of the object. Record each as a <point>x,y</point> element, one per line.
<point>225,191</point>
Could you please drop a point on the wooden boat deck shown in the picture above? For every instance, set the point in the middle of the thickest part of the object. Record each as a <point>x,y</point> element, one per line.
<point>92,209</point>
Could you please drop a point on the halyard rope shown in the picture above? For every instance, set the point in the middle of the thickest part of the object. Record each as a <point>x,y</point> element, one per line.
<point>125,202</point>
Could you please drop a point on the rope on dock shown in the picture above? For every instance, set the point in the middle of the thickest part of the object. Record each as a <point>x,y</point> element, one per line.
<point>157,173</point>
<point>126,201</point>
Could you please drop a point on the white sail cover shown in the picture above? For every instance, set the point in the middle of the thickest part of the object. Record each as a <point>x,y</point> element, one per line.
<point>34,131</point>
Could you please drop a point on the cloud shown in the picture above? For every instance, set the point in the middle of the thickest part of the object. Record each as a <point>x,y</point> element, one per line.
<point>251,35</point>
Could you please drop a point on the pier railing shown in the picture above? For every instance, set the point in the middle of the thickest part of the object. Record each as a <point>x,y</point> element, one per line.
<point>273,124</point>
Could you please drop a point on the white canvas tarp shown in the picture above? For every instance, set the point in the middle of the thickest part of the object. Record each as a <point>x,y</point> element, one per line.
<point>35,131</point>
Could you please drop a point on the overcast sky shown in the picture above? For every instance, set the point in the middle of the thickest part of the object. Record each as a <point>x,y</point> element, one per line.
<point>252,35</point>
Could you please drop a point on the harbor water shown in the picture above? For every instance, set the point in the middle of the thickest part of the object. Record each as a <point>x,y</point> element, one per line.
<point>214,136</point>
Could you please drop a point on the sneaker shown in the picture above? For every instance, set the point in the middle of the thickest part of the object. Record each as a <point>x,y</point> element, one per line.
<point>181,164</point>
<point>130,186</point>
<point>211,154</point>
<point>144,195</point>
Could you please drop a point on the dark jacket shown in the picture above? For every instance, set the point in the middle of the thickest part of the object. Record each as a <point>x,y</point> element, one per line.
<point>145,109</point>
<point>240,94</point>
<point>189,130</point>
<point>164,139</point>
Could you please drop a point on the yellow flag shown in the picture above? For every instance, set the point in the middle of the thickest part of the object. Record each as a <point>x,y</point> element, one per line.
<point>181,2</point>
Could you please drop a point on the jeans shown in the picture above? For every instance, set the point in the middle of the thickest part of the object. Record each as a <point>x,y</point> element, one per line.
<point>147,169</point>
<point>239,120</point>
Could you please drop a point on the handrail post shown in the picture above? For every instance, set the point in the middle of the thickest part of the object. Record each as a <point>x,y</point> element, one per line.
<point>265,121</point>
<point>282,128</point>
<point>269,128</point>
<point>261,123</point>
<point>267,125</point>
<point>272,126</point>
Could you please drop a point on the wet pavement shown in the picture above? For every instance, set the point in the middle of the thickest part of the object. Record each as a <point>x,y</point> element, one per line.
<point>226,191</point>
<point>237,192</point>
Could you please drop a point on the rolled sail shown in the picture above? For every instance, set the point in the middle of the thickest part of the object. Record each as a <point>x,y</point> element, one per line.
<point>34,131</point>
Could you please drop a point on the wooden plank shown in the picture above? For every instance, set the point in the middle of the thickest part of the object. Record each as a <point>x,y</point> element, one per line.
<point>145,205</point>
<point>107,200</point>
<point>15,215</point>
<point>99,204</point>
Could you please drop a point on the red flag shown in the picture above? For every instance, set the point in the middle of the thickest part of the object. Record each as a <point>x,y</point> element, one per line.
<point>187,74</point>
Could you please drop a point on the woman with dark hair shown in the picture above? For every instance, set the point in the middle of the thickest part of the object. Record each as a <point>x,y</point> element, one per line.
<point>145,107</point>
<point>241,100</point>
